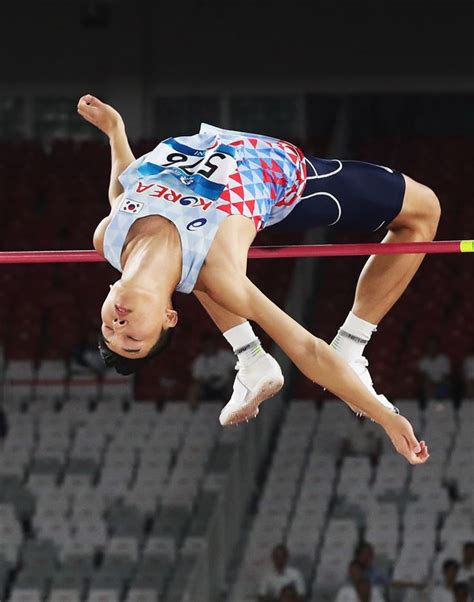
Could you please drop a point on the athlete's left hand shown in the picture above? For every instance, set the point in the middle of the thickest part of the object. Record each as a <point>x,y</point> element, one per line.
<point>403,438</point>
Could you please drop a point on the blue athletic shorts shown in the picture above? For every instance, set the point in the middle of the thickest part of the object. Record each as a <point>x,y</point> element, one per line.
<point>347,194</point>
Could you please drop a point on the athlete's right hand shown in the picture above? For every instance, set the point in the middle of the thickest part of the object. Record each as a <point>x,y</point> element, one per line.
<point>103,116</point>
<point>403,438</point>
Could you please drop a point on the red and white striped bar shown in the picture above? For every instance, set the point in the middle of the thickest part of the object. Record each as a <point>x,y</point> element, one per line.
<point>284,252</point>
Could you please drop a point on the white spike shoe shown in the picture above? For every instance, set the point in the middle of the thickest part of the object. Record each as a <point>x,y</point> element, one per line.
<point>252,385</point>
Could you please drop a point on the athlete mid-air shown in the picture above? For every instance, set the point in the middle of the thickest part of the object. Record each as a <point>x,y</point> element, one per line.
<point>183,218</point>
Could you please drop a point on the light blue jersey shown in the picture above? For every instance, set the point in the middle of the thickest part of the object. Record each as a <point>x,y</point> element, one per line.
<point>197,181</point>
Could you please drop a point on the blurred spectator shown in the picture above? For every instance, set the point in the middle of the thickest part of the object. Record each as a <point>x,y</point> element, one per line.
<point>461,592</point>
<point>468,374</point>
<point>466,567</point>
<point>364,555</point>
<point>288,594</point>
<point>358,587</point>
<point>362,441</point>
<point>435,372</point>
<point>3,424</point>
<point>366,592</point>
<point>85,355</point>
<point>280,576</point>
<point>445,592</point>
<point>212,371</point>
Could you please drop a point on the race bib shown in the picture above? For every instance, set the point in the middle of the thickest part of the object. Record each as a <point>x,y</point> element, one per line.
<point>205,171</point>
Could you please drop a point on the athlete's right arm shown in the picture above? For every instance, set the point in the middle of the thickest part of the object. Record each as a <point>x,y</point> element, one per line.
<point>109,121</point>
<point>315,358</point>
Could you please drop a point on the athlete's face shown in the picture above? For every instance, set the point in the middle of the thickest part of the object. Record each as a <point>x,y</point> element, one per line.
<point>133,319</point>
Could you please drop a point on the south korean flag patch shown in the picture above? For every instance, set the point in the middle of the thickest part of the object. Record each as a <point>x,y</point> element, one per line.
<point>129,206</point>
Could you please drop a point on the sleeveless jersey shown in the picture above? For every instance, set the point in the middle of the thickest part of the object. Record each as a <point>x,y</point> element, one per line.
<point>197,181</point>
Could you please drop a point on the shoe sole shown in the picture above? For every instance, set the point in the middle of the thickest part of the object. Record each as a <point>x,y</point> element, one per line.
<point>370,386</point>
<point>267,389</point>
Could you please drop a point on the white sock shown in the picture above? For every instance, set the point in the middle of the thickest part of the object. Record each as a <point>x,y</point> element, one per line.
<point>244,343</point>
<point>352,337</point>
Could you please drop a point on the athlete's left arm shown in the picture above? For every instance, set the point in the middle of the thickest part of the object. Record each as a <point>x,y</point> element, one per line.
<point>315,358</point>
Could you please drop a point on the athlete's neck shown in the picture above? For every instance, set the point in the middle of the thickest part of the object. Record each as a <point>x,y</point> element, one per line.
<point>153,262</point>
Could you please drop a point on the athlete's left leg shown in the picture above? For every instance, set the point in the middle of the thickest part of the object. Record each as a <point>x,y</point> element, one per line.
<point>258,374</point>
<point>385,277</point>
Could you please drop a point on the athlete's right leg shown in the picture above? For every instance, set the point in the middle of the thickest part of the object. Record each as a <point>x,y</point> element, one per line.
<point>258,374</point>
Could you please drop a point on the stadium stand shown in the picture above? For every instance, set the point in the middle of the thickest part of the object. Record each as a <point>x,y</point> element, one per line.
<point>321,504</point>
<point>104,499</point>
<point>122,502</point>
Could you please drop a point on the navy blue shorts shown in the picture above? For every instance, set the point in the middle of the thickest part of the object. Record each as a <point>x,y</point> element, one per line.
<point>347,194</point>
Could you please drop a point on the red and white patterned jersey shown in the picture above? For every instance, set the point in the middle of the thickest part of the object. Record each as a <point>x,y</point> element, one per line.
<point>269,178</point>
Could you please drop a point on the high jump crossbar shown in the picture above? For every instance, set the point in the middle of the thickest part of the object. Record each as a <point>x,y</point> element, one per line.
<point>271,252</point>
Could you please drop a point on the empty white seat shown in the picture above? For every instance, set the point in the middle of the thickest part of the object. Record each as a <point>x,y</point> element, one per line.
<point>74,548</point>
<point>385,547</point>
<point>262,539</point>
<point>11,532</point>
<point>25,595</point>
<point>162,546</point>
<point>112,488</point>
<point>20,437</point>
<point>87,514</point>
<point>53,503</point>
<point>77,482</point>
<point>64,595</point>
<point>83,386</point>
<point>41,483</point>
<point>413,568</point>
<point>141,595</point>
<point>19,370</point>
<point>419,544</point>
<point>155,462</point>
<point>10,550</point>
<point>7,513</point>
<point>88,498</point>
<point>123,546</point>
<point>341,528</point>
<point>164,439</point>
<point>94,533</point>
<point>270,504</point>
<point>103,595</point>
<point>148,484</point>
<point>50,389</point>
<point>332,572</point>
<point>116,386</point>
<point>58,531</point>
<point>304,541</point>
<point>116,471</point>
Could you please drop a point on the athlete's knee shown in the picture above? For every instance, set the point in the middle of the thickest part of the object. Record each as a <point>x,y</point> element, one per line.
<point>431,211</point>
<point>420,213</point>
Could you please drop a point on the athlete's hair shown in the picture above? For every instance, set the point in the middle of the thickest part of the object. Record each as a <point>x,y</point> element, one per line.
<point>124,365</point>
